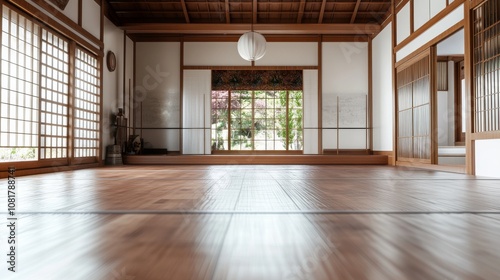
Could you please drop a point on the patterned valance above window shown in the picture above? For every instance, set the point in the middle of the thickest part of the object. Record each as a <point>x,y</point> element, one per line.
<point>257,80</point>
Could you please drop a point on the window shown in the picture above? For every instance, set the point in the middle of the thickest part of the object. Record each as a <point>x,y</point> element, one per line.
<point>86,105</point>
<point>262,120</point>
<point>54,96</point>
<point>20,92</point>
<point>35,111</point>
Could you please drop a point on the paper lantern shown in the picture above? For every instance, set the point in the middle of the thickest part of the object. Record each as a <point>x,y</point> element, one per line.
<point>252,46</point>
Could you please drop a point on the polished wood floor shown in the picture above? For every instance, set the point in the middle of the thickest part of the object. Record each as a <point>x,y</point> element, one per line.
<point>255,222</point>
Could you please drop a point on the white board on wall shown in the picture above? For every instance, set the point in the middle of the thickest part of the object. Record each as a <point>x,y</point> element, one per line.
<point>345,111</point>
<point>213,54</point>
<point>290,54</point>
<point>436,6</point>
<point>91,17</point>
<point>345,115</point>
<point>403,24</point>
<point>421,13</point>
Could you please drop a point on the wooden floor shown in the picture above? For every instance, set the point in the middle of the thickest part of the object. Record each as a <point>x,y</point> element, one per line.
<point>255,222</point>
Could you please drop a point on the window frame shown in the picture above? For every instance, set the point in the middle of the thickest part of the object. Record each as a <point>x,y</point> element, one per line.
<point>69,160</point>
<point>252,150</point>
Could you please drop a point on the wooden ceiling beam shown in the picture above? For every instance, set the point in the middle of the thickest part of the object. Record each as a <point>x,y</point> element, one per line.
<point>322,12</point>
<point>301,11</point>
<point>380,14</point>
<point>111,13</point>
<point>353,18</point>
<point>223,29</point>
<point>120,2</point>
<point>184,10</point>
<point>226,7</point>
<point>254,11</point>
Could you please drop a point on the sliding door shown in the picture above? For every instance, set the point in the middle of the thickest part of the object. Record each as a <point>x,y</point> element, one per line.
<point>414,110</point>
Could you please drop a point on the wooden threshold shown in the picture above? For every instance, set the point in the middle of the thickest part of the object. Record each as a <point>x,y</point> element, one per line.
<point>436,167</point>
<point>348,152</point>
<point>53,169</point>
<point>258,159</point>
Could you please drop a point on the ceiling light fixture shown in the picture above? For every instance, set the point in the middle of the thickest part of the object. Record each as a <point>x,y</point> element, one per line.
<point>252,45</point>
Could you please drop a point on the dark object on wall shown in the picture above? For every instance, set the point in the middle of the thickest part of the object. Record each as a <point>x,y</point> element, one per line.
<point>61,4</point>
<point>111,61</point>
<point>121,130</point>
<point>256,79</point>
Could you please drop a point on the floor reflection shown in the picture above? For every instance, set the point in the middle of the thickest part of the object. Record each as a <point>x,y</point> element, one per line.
<point>255,222</point>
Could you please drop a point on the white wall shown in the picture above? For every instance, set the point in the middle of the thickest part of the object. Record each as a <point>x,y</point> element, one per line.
<point>436,6</point>
<point>345,73</point>
<point>71,10</point>
<point>91,12</point>
<point>424,10</point>
<point>91,17</point>
<point>488,158</point>
<point>443,120</point>
<point>453,45</point>
<point>112,81</point>
<point>441,26</point>
<point>383,107</point>
<point>157,87</point>
<point>213,54</point>
<point>226,54</point>
<point>345,68</point>
<point>403,23</point>
<point>290,54</point>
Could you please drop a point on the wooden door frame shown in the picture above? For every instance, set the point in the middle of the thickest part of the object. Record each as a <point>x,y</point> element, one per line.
<point>408,62</point>
<point>459,136</point>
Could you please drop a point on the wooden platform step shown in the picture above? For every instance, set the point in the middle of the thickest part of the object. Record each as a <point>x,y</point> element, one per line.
<point>257,159</point>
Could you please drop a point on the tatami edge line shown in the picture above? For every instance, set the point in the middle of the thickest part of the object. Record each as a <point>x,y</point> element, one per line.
<point>274,179</point>
<point>210,212</point>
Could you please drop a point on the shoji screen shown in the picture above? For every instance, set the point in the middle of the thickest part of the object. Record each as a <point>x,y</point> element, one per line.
<point>310,111</point>
<point>486,96</point>
<point>196,112</point>
<point>54,96</point>
<point>20,98</point>
<point>414,110</point>
<point>87,105</point>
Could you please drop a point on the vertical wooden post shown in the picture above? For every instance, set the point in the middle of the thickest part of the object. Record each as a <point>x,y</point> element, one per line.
<point>468,66</point>
<point>394,84</point>
<point>320,95</point>
<point>433,104</point>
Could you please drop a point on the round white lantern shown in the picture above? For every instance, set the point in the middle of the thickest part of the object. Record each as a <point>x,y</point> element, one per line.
<point>252,46</point>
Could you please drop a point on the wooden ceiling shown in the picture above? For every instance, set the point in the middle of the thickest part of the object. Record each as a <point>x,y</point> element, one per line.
<point>236,16</point>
